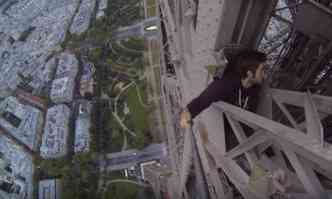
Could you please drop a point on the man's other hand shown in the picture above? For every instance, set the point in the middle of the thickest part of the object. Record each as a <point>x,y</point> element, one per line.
<point>185,119</point>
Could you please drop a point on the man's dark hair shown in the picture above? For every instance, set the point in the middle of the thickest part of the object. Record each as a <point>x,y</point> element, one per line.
<point>248,60</point>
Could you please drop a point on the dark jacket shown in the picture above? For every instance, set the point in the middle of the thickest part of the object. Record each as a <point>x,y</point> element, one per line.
<point>228,89</point>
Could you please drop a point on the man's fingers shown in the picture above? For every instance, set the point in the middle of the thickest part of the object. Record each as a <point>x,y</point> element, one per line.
<point>184,123</point>
<point>185,119</point>
<point>181,123</point>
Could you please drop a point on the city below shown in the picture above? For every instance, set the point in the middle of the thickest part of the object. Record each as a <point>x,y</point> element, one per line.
<point>165,99</point>
<point>79,99</point>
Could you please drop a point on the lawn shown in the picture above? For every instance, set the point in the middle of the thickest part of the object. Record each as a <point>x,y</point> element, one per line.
<point>121,191</point>
<point>152,11</point>
<point>151,3</point>
<point>126,53</point>
<point>138,115</point>
<point>137,111</point>
<point>133,43</point>
<point>117,137</point>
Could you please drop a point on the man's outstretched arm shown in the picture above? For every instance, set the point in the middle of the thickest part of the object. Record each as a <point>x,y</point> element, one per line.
<point>216,91</point>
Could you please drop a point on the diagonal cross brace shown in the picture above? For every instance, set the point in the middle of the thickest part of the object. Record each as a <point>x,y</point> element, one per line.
<point>314,126</point>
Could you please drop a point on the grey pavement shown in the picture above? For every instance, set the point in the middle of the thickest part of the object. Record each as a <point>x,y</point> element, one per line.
<point>126,159</point>
<point>137,30</point>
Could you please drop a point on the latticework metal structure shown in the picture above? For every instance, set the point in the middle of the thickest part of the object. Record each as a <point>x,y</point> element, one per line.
<point>282,150</point>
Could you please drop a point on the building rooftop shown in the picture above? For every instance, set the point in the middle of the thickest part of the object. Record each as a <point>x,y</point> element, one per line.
<point>44,25</point>
<point>21,167</point>
<point>82,128</point>
<point>82,134</point>
<point>87,81</point>
<point>62,90</point>
<point>27,98</point>
<point>64,83</point>
<point>82,18</point>
<point>43,76</point>
<point>102,4</point>
<point>101,9</point>
<point>54,141</point>
<point>49,189</point>
<point>67,66</point>
<point>24,122</point>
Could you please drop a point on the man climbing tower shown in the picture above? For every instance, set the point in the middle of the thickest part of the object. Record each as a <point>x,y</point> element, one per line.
<point>240,85</point>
